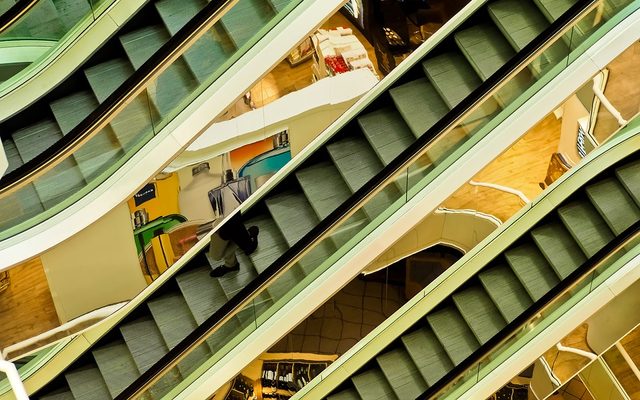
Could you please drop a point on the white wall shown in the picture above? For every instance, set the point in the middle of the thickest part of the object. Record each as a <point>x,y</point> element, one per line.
<point>94,268</point>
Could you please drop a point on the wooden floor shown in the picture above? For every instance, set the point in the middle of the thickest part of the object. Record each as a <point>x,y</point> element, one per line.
<point>622,371</point>
<point>26,307</point>
<point>521,167</point>
<point>566,365</point>
<point>622,90</point>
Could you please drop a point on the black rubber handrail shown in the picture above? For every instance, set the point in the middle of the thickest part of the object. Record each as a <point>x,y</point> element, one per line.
<point>91,125</point>
<point>399,164</point>
<point>13,14</point>
<point>515,326</point>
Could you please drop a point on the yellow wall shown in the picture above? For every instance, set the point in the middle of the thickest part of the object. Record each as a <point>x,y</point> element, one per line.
<point>166,201</point>
<point>94,268</point>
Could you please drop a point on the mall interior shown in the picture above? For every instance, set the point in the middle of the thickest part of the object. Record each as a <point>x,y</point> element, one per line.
<point>320,199</point>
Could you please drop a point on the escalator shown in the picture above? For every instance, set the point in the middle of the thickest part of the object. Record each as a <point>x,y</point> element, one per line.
<point>190,318</point>
<point>35,135</point>
<point>509,290</point>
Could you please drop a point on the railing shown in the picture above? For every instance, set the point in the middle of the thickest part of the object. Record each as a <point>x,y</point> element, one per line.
<point>135,99</point>
<point>411,171</point>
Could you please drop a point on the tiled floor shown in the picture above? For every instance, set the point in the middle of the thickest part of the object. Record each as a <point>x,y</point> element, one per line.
<point>345,319</point>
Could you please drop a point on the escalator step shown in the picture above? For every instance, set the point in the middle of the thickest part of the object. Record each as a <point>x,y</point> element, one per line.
<point>143,43</point>
<point>349,394</point>
<point>259,12</point>
<point>13,155</point>
<point>419,104</point>
<point>505,290</point>
<point>106,77</point>
<point>559,248</point>
<point>372,385</point>
<point>629,176</point>
<point>292,214</point>
<point>144,341</point>
<point>454,334</point>
<point>204,296</point>
<point>69,111</point>
<point>324,187</point>
<point>428,355</point>
<point>357,163</point>
<point>206,54</point>
<point>401,373</point>
<point>326,190</point>
<point>480,312</point>
<point>116,365</point>
<point>175,321</point>
<point>387,133</point>
<point>553,9</point>
<point>614,204</point>
<point>452,76</point>
<point>175,14</point>
<point>455,79</point>
<point>487,50</point>
<point>532,269</point>
<point>271,245</point>
<point>134,120</point>
<point>71,12</point>
<point>36,138</point>
<point>521,22</point>
<point>42,21</point>
<point>586,226</point>
<point>87,383</point>
<point>279,5</point>
<point>63,395</point>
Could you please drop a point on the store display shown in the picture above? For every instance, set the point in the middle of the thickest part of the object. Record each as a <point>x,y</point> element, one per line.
<point>337,51</point>
<point>263,166</point>
<point>301,52</point>
<point>193,197</point>
<point>241,389</point>
<point>281,380</point>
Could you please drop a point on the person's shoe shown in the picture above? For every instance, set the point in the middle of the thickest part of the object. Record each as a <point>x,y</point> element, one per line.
<point>223,269</point>
<point>253,234</point>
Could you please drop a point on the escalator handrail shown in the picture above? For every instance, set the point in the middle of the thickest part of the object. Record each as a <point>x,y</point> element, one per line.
<point>244,296</point>
<point>119,99</point>
<point>13,14</point>
<point>539,306</point>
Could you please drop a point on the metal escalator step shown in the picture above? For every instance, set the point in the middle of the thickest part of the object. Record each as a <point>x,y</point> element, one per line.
<point>419,104</point>
<point>175,321</point>
<point>505,290</point>
<point>428,354</point>
<point>586,226</point>
<point>532,269</point>
<point>259,12</point>
<point>293,215</point>
<point>357,163</point>
<point>454,333</point>
<point>452,76</point>
<point>487,50</point>
<point>102,148</point>
<point>558,247</point>
<point>207,53</point>
<point>271,245</point>
<point>629,176</point>
<point>142,43</point>
<point>521,22</point>
<point>116,365</point>
<point>144,341</point>
<point>553,9</point>
<point>614,204</point>
<point>348,394</point>
<point>13,155</point>
<point>279,5</point>
<point>106,77</point>
<point>60,395</point>
<point>33,139</point>
<point>387,133</point>
<point>480,313</point>
<point>402,374</point>
<point>70,12</point>
<point>372,385</point>
<point>87,383</point>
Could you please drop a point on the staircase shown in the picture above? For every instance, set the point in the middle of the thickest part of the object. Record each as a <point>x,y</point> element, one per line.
<point>41,125</point>
<point>565,239</point>
<point>47,20</point>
